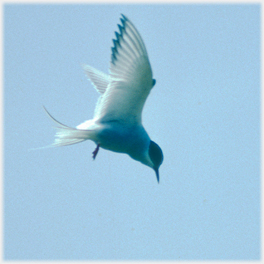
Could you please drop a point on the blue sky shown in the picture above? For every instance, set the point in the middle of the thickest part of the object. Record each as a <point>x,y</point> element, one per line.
<point>204,112</point>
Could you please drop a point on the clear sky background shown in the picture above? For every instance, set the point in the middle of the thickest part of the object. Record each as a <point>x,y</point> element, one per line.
<point>204,112</point>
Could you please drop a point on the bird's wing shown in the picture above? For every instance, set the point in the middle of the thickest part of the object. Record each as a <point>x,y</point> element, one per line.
<point>99,79</point>
<point>130,78</point>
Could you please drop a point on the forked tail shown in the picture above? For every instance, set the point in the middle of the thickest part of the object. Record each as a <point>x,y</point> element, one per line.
<point>68,135</point>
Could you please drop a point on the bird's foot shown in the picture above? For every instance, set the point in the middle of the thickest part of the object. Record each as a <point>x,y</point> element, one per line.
<point>96,151</point>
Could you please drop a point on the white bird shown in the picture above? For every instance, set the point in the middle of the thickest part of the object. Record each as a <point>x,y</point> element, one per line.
<point>116,124</point>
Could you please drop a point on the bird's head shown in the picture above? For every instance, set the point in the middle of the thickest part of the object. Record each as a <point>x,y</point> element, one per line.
<point>156,157</point>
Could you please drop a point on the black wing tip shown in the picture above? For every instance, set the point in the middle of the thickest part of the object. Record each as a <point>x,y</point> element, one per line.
<point>124,17</point>
<point>113,57</point>
<point>118,36</point>
<point>124,20</point>
<point>115,50</point>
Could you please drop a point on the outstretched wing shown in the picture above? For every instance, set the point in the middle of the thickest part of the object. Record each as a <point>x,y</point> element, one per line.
<point>130,77</point>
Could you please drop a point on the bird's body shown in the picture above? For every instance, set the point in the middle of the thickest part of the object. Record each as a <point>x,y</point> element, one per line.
<point>117,125</point>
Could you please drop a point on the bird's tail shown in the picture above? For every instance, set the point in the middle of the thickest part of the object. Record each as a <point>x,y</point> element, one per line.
<point>67,135</point>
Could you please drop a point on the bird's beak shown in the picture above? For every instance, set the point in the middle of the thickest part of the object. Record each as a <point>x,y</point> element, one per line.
<point>157,174</point>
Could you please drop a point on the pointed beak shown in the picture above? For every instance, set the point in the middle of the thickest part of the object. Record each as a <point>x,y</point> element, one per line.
<point>157,174</point>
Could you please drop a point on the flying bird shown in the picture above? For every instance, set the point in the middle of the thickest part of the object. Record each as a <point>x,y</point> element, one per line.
<point>117,124</point>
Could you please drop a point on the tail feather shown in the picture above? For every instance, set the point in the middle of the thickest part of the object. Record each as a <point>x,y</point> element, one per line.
<point>68,135</point>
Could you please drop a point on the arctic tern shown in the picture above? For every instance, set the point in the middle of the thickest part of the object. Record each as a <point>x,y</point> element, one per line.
<point>116,124</point>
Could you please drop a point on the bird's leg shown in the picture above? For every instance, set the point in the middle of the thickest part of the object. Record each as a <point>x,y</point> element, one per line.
<point>96,151</point>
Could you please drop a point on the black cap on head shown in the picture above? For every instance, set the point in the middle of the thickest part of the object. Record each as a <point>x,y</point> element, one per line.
<point>156,156</point>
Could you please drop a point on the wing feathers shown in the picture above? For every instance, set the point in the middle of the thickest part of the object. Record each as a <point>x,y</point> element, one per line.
<point>99,79</point>
<point>132,31</point>
<point>130,77</point>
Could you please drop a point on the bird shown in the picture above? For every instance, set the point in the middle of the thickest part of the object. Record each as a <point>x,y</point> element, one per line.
<point>117,122</point>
